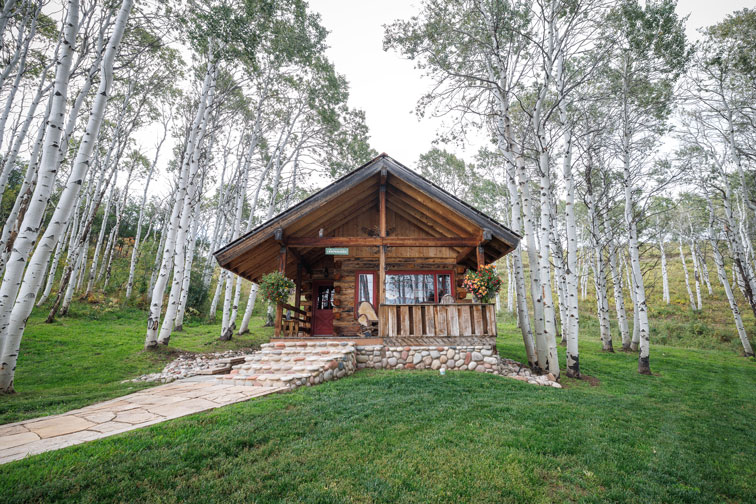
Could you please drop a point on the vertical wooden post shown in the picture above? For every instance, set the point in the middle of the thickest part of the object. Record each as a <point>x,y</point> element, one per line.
<point>481,256</point>
<point>382,225</point>
<point>382,276</point>
<point>279,308</point>
<point>298,295</point>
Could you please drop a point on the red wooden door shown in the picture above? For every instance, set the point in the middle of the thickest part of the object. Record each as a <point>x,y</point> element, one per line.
<point>322,312</point>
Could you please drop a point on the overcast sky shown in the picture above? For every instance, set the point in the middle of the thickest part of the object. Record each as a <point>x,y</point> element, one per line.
<point>387,86</point>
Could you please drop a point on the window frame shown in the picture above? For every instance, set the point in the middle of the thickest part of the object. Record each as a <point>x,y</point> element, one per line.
<point>435,274</point>
<point>357,274</point>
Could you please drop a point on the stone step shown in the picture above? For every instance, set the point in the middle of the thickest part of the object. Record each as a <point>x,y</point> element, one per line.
<point>304,351</point>
<point>294,364</point>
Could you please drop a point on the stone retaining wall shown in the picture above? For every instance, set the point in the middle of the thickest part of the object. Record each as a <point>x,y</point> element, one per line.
<point>481,359</point>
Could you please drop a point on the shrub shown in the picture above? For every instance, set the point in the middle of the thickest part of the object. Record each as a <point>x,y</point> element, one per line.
<point>483,284</point>
<point>275,287</point>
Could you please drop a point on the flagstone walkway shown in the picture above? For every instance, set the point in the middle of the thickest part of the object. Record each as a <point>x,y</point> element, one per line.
<point>143,408</point>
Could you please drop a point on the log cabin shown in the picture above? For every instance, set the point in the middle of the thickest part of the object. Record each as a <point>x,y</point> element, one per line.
<point>377,256</point>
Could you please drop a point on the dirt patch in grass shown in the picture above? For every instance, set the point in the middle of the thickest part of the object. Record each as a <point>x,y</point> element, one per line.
<point>591,381</point>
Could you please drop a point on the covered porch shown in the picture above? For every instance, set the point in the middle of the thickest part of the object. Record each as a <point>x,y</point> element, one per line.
<point>379,256</point>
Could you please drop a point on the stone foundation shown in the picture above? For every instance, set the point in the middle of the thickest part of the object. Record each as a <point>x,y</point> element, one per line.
<point>480,359</point>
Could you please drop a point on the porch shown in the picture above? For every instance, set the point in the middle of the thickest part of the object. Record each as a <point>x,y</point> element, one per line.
<point>411,324</point>
<point>381,242</point>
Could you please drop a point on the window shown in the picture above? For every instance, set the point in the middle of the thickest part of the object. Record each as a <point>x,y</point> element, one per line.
<point>325,297</point>
<point>366,289</point>
<point>416,287</point>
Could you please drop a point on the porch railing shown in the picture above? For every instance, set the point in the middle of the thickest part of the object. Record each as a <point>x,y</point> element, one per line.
<point>437,320</point>
<point>299,322</point>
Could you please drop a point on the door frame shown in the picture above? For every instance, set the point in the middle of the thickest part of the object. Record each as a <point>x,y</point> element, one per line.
<point>315,285</point>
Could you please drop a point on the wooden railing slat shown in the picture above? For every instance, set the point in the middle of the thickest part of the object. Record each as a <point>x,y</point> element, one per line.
<point>417,320</point>
<point>423,320</point>
<point>492,329</point>
<point>453,318</point>
<point>430,325</point>
<point>465,325</point>
<point>404,328</point>
<point>478,320</point>
<point>441,326</point>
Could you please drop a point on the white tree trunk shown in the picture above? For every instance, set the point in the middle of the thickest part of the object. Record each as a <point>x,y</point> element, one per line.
<point>244,327</point>
<point>179,324</point>
<point>696,271</point>
<point>602,299</point>
<point>216,296</point>
<point>691,300</point>
<point>619,297</point>
<point>549,314</point>
<point>101,236</point>
<point>704,269</point>
<point>665,277</point>
<point>227,325</point>
<point>536,291</point>
<point>53,268</point>
<point>637,279</point>
<point>169,252</point>
<point>747,349</point>
<point>34,277</point>
<point>519,274</point>
<point>138,235</point>
<point>29,230</point>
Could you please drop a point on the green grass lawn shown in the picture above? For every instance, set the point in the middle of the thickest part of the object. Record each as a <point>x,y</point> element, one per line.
<point>83,358</point>
<point>684,434</point>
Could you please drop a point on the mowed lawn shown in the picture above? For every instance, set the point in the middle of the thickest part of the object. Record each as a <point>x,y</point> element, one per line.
<point>684,434</point>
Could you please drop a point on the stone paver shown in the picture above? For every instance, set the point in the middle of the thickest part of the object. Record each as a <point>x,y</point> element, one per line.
<point>143,408</point>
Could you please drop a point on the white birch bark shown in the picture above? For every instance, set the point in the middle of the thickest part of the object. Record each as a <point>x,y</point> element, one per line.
<point>691,300</point>
<point>101,236</point>
<point>229,313</point>
<point>704,268</point>
<point>635,341</point>
<point>191,194</point>
<point>156,305</point>
<point>29,231</point>
<point>216,295</point>
<point>519,274</point>
<point>158,251</point>
<point>637,276</point>
<point>138,235</point>
<point>696,271</point>
<point>549,314</point>
<point>16,82</point>
<point>536,291</point>
<point>179,324</point>
<point>33,278</point>
<point>53,268</point>
<point>722,274</point>
<point>619,296</point>
<point>665,276</point>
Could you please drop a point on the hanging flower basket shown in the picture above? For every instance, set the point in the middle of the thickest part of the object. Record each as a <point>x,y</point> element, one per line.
<point>483,284</point>
<point>276,288</point>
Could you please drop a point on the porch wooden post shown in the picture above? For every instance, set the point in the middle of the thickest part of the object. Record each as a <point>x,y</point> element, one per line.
<point>382,224</point>
<point>481,256</point>
<point>279,308</point>
<point>298,293</point>
<point>382,276</point>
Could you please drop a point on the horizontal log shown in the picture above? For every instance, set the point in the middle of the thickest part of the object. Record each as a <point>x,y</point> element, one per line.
<point>292,308</point>
<point>392,241</point>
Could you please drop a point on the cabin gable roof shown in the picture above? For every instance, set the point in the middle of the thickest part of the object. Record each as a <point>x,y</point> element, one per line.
<point>408,194</point>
